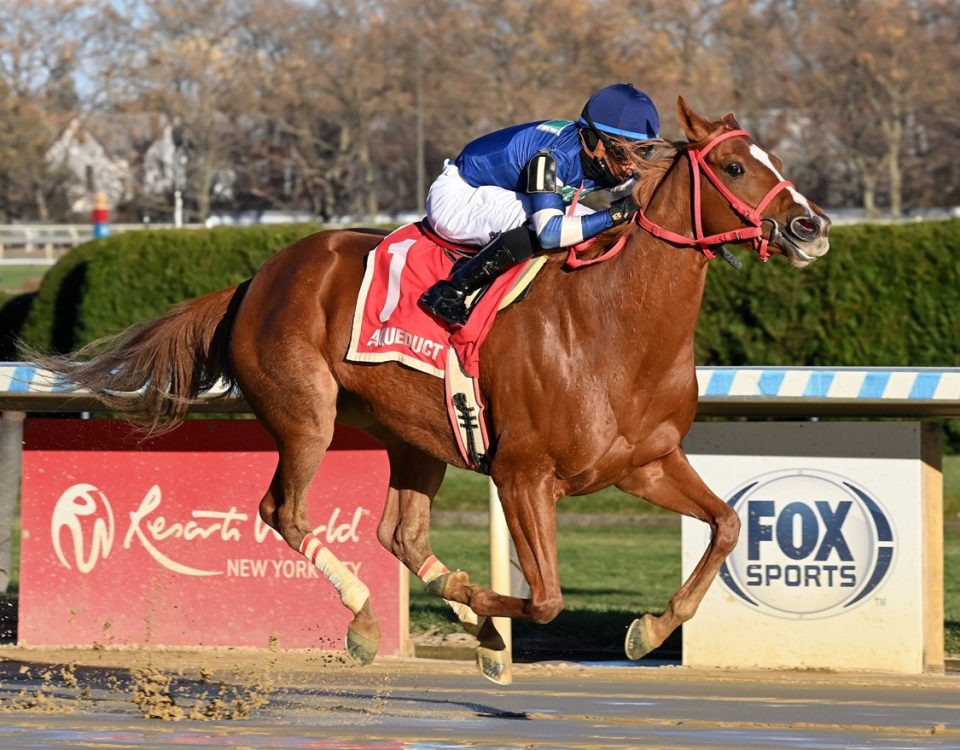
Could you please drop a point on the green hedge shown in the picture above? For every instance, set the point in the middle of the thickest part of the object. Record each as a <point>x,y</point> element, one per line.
<point>104,286</point>
<point>13,313</point>
<point>884,295</point>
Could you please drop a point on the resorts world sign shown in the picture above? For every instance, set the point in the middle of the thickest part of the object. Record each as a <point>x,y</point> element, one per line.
<point>812,544</point>
<point>159,542</point>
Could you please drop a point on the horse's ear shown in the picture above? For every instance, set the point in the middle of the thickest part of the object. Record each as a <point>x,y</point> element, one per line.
<point>693,124</point>
<point>731,122</point>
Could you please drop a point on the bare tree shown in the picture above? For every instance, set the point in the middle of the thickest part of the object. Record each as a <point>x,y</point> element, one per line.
<point>45,45</point>
<point>856,65</point>
<point>350,108</point>
<point>194,70</point>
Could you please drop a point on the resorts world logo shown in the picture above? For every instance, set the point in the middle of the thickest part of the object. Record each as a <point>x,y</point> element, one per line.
<point>82,530</point>
<point>84,512</point>
<point>813,544</point>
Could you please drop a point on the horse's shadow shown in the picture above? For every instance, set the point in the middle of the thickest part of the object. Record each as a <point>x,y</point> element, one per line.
<point>575,634</point>
<point>584,635</point>
<point>480,709</point>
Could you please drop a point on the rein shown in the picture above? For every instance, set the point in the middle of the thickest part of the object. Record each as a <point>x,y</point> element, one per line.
<point>752,234</point>
<point>572,260</point>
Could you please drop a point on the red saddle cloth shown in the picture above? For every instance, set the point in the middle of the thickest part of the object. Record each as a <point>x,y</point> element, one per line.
<point>390,326</point>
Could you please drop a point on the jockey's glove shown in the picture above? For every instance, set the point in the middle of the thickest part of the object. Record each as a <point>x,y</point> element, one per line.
<point>622,210</point>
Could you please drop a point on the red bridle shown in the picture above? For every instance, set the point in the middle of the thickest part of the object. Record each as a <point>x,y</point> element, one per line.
<point>698,163</point>
<point>752,234</point>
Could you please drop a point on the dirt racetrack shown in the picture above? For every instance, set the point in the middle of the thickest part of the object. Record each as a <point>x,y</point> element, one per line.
<point>126,698</point>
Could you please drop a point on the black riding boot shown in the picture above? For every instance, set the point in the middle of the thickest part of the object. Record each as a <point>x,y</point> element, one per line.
<point>447,298</point>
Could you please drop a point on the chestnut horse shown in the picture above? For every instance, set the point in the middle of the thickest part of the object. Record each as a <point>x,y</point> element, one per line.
<point>589,381</point>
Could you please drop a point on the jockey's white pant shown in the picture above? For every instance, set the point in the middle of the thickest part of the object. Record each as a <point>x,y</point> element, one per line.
<point>471,215</point>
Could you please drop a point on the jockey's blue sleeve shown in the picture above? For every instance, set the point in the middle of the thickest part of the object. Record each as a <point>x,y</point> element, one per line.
<point>554,229</point>
<point>499,159</point>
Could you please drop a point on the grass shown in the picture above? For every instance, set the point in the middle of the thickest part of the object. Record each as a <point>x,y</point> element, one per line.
<point>951,590</point>
<point>951,488</point>
<point>17,279</point>
<point>610,575</point>
<point>602,592</point>
<point>464,490</point>
<point>650,559</point>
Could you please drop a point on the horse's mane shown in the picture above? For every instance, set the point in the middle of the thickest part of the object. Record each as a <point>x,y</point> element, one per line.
<point>649,161</point>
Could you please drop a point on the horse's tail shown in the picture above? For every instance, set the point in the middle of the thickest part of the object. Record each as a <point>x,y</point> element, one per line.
<point>154,371</point>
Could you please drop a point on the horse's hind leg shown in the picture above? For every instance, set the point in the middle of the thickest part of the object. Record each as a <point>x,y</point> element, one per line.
<point>672,483</point>
<point>303,433</point>
<point>404,530</point>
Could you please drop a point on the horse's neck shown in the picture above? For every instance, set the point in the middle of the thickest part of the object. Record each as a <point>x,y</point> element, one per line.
<point>665,283</point>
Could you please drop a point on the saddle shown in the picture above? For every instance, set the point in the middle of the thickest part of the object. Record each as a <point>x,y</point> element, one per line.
<point>390,326</point>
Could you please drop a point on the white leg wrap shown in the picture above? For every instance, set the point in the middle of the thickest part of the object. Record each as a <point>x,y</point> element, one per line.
<point>353,592</point>
<point>466,615</point>
<point>433,568</point>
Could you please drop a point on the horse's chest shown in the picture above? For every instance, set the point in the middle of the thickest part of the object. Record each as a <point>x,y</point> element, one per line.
<point>606,429</point>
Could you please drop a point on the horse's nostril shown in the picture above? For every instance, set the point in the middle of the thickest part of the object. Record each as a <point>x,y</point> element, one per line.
<point>805,227</point>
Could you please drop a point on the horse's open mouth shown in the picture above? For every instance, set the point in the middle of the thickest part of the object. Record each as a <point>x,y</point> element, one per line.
<point>796,254</point>
<point>801,251</point>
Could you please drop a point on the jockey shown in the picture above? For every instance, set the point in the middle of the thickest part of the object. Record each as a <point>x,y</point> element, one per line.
<point>507,191</point>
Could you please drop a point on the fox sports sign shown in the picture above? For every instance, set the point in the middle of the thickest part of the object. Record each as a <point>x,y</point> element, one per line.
<point>812,544</point>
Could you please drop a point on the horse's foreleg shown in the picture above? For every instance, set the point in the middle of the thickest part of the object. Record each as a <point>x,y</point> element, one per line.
<point>673,484</point>
<point>493,656</point>
<point>530,512</point>
<point>405,531</point>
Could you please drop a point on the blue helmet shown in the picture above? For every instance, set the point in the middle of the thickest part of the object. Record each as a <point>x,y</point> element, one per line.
<point>623,111</point>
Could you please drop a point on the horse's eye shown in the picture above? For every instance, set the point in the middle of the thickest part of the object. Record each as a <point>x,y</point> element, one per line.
<point>734,169</point>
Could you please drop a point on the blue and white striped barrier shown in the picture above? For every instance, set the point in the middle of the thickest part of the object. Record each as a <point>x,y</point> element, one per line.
<point>26,387</point>
<point>898,391</point>
<point>829,391</point>
<point>23,377</point>
<point>868,383</point>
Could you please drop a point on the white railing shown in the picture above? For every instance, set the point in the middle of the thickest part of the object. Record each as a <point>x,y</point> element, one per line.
<point>42,244</point>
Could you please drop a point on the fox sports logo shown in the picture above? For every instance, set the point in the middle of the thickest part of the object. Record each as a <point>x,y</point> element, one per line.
<point>812,544</point>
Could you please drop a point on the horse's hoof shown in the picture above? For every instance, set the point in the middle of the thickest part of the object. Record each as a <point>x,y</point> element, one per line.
<point>495,665</point>
<point>361,648</point>
<point>640,640</point>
